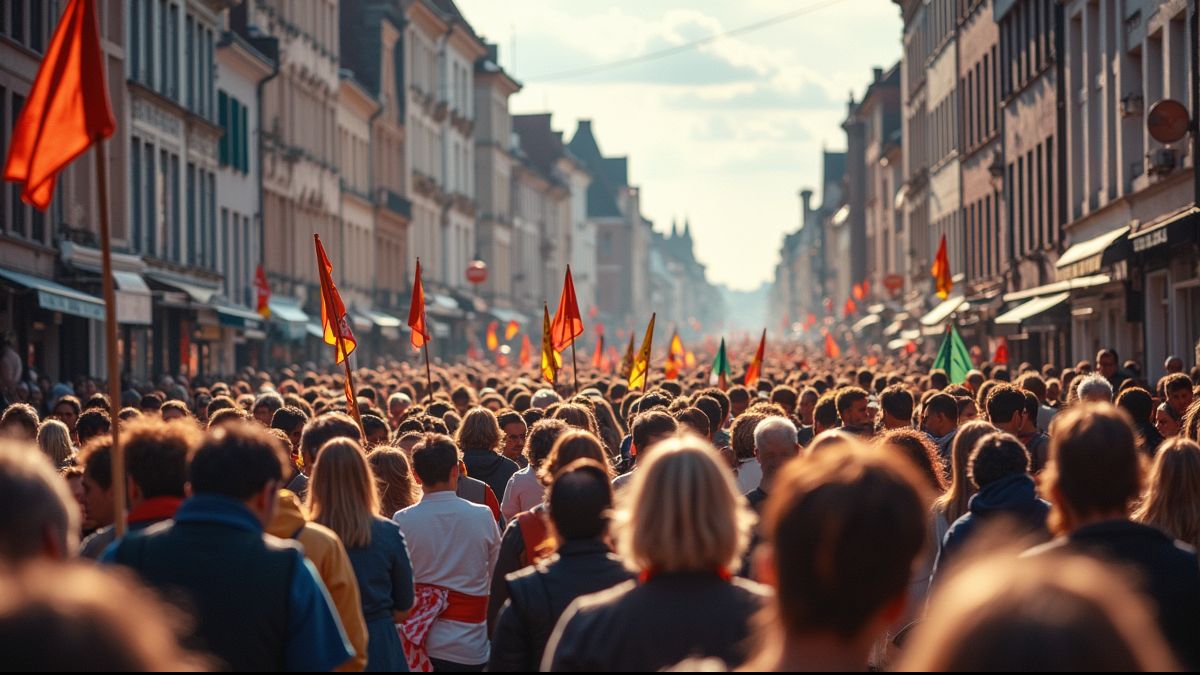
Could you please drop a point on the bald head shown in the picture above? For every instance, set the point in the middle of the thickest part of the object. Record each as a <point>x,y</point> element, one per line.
<point>774,444</point>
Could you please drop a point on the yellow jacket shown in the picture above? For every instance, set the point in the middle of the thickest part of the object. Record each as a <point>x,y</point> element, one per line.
<point>328,555</point>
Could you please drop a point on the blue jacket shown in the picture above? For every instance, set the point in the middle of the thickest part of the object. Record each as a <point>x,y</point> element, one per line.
<point>1014,497</point>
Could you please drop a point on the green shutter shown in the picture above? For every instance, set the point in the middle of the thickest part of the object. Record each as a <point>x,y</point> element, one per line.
<point>245,142</point>
<point>223,120</point>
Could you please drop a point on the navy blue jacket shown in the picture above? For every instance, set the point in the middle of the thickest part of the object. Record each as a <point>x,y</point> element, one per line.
<point>1014,497</point>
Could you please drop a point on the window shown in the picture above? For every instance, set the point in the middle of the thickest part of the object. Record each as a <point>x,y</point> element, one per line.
<point>177,233</point>
<point>17,222</point>
<point>223,121</point>
<point>147,245</point>
<point>190,215</point>
<point>190,59</point>
<point>171,53</point>
<point>147,43</point>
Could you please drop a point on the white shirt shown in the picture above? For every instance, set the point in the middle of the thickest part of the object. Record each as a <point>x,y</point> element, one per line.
<point>523,492</point>
<point>453,544</point>
<point>749,475</point>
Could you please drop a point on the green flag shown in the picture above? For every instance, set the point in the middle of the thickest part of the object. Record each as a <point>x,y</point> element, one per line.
<point>953,356</point>
<point>720,369</point>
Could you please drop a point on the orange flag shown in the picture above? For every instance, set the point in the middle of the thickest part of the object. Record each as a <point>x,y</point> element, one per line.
<point>859,294</point>
<point>567,324</point>
<point>832,350</point>
<point>333,312</point>
<point>850,307</point>
<point>263,292</point>
<point>941,271</point>
<point>675,357</point>
<point>755,369</point>
<point>598,355</point>
<point>67,110</point>
<point>551,361</point>
<point>511,330</point>
<point>493,343</point>
<point>416,313</point>
<point>526,352</point>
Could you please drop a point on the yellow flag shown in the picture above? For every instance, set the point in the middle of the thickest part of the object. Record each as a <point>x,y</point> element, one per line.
<point>641,364</point>
<point>551,361</point>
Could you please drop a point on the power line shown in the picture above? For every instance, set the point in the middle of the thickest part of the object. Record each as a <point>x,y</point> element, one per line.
<point>671,51</point>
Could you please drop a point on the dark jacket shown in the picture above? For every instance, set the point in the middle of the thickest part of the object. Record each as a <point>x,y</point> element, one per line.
<point>1014,497</point>
<point>652,625</point>
<point>540,594</point>
<point>385,585</point>
<point>256,602</point>
<point>490,467</point>
<point>1167,571</point>
<point>511,558</point>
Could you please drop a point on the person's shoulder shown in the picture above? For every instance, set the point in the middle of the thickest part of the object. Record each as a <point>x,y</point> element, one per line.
<point>283,547</point>
<point>602,601</point>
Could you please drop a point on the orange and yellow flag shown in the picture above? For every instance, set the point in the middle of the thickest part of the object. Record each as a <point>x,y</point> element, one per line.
<point>755,370</point>
<point>941,271</point>
<point>511,330</point>
<point>551,361</point>
<point>675,357</point>
<point>567,324</point>
<point>416,313</point>
<point>832,350</point>
<point>334,323</point>
<point>641,365</point>
<point>493,342</point>
<point>627,360</point>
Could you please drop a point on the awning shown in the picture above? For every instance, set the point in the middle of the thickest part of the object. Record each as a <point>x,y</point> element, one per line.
<point>877,308</point>
<point>898,344</point>
<point>55,297</point>
<point>865,323</point>
<point>196,289</point>
<point>440,330</point>
<point>134,301</point>
<point>506,315</point>
<point>940,313</point>
<point>361,322</point>
<point>442,305</point>
<point>238,317</point>
<point>287,309</point>
<point>382,319</point>
<point>896,324</point>
<point>1087,257</point>
<point>1031,308</point>
<point>1177,228</point>
<point>914,334</point>
<point>1058,287</point>
<point>315,330</point>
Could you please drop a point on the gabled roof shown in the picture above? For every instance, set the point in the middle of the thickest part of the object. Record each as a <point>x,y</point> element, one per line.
<point>609,174</point>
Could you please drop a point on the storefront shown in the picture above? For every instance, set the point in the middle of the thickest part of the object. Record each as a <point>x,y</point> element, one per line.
<point>1100,303</point>
<point>1038,322</point>
<point>1165,276</point>
<point>46,319</point>
<point>186,329</point>
<point>286,331</point>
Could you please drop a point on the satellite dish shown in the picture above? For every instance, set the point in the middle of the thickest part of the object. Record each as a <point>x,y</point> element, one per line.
<point>1168,121</point>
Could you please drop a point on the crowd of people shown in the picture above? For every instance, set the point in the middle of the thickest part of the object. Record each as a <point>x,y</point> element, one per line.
<point>834,515</point>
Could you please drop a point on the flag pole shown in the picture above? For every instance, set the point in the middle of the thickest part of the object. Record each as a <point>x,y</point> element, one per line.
<point>335,322</point>
<point>574,367</point>
<point>110,340</point>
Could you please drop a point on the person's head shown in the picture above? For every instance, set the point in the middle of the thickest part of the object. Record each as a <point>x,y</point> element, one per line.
<point>54,440</point>
<point>954,502</point>
<point>463,398</point>
<point>649,428</point>
<point>394,479</point>
<point>513,427</point>
<point>808,401</point>
<point>787,397</point>
<point>479,431</point>
<point>1167,422</point>
<point>1032,382</point>
<point>540,440</point>
<point>80,617</point>
<point>1006,408</point>
<point>1173,491</point>
<point>739,400</point>
<point>243,462</point>
<point>96,460</point>
<point>825,414</point>
<point>896,402</point>
<point>1179,393</point>
<point>377,430</point>
<point>322,429</point>
<point>577,415</point>
<point>175,410</point>
<point>67,410</point>
<point>939,415</point>
<point>974,380</point>
<point>342,494</point>
<point>92,423</point>
<point>397,404</point>
<point>995,457</point>
<point>695,421</point>
<point>579,501</point>
<point>38,516</point>
<point>156,457</point>
<point>1093,389</point>
<point>150,404</point>
<point>842,531</point>
<point>918,449</point>
<point>1037,614</point>
<point>435,461</point>
<point>1139,403</point>
<point>774,444</point>
<point>682,512</point>
<point>852,407</point>
<point>573,444</point>
<point>712,409</point>
<point>290,420</point>
<point>938,380</point>
<point>1173,365</point>
<point>742,434</point>
<point>1094,473</point>
<point>19,422</point>
<point>1107,362</point>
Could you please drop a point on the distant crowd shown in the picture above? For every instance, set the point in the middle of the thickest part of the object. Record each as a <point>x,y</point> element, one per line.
<point>846,514</point>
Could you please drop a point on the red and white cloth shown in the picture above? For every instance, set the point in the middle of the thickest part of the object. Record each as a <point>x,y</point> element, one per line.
<point>431,604</point>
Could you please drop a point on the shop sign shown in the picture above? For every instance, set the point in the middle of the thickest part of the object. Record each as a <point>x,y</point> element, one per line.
<point>1155,238</point>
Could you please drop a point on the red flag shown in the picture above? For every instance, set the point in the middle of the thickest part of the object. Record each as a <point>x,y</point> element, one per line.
<point>850,308</point>
<point>567,324</point>
<point>755,369</point>
<point>832,350</point>
<point>263,291</point>
<point>526,351</point>
<point>493,343</point>
<point>333,312</point>
<point>511,330</point>
<point>941,271</point>
<point>866,287</point>
<point>416,313</point>
<point>675,357</point>
<point>1001,357</point>
<point>859,294</point>
<point>810,321</point>
<point>598,355</point>
<point>67,110</point>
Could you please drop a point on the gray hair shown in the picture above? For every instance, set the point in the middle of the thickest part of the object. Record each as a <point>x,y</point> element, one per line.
<point>775,431</point>
<point>399,397</point>
<point>1094,385</point>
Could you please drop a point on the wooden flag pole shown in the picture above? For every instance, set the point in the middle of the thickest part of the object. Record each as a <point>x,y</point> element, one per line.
<point>351,398</point>
<point>574,367</point>
<point>428,376</point>
<point>110,340</point>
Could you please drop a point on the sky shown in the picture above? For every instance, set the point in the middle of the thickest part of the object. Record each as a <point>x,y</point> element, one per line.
<point>725,134</point>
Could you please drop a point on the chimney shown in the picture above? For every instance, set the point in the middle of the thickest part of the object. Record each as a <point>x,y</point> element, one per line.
<point>493,53</point>
<point>806,196</point>
<point>878,73</point>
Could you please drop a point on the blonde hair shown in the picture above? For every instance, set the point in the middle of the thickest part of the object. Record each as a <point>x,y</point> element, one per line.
<point>1172,499</point>
<point>953,502</point>
<point>342,494</point>
<point>682,512</point>
<point>393,477</point>
<point>478,430</point>
<point>571,445</point>
<point>54,438</point>
<point>1045,613</point>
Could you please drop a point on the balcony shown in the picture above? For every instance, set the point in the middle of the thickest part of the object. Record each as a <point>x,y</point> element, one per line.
<point>395,203</point>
